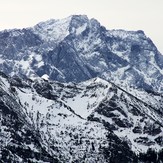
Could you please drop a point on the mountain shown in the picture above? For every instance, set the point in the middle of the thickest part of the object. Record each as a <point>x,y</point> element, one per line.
<point>77,92</point>
<point>76,49</point>
<point>93,121</point>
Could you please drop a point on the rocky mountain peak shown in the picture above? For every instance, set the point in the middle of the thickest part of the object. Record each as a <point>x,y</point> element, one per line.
<point>77,48</point>
<point>57,30</point>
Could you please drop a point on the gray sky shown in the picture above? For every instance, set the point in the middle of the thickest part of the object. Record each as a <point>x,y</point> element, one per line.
<point>146,15</point>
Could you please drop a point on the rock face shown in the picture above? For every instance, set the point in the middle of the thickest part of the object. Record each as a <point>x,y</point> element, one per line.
<point>76,49</point>
<point>77,92</point>
<point>93,121</point>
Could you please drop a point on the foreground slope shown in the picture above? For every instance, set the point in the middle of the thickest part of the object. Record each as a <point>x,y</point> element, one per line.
<point>66,122</point>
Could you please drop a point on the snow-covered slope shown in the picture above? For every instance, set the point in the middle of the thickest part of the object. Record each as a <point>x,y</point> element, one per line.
<point>67,122</point>
<point>77,48</point>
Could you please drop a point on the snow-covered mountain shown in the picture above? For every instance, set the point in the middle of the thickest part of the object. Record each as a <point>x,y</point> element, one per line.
<point>93,121</point>
<point>77,48</point>
<point>99,98</point>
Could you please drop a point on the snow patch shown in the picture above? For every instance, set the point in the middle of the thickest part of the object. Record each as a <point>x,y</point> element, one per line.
<point>53,30</point>
<point>45,77</point>
<point>81,29</point>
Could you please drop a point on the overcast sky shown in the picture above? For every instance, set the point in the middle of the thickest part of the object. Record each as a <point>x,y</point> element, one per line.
<point>146,15</point>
